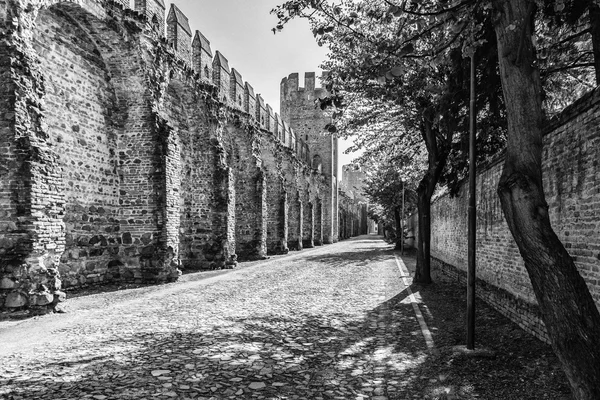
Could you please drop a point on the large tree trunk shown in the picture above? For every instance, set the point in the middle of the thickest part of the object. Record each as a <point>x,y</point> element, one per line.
<point>594,16</point>
<point>437,155</point>
<point>569,312</point>
<point>399,233</point>
<point>423,269</point>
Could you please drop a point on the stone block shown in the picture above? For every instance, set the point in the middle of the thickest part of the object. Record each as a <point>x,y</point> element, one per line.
<point>7,283</point>
<point>16,299</point>
<point>41,299</point>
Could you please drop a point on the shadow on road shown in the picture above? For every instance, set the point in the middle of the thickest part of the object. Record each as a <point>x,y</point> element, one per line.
<point>310,356</point>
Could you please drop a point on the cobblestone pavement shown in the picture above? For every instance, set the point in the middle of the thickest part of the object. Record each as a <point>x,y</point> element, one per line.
<point>333,322</point>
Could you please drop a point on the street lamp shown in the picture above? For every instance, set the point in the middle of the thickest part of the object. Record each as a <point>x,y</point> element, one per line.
<point>472,227</point>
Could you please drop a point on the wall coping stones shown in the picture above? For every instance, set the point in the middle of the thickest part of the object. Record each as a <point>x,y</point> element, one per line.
<point>221,61</point>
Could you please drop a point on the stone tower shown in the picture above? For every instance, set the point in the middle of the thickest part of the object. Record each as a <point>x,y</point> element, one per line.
<point>299,110</point>
<point>353,181</point>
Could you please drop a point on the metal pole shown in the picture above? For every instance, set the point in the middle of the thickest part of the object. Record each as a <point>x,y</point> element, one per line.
<point>402,223</point>
<point>472,216</point>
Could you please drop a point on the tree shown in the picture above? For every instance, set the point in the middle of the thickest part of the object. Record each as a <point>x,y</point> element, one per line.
<point>565,52</point>
<point>568,310</point>
<point>377,56</point>
<point>392,157</point>
<point>581,18</point>
<point>390,184</point>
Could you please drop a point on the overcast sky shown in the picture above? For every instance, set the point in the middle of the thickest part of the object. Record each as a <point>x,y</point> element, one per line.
<point>241,31</point>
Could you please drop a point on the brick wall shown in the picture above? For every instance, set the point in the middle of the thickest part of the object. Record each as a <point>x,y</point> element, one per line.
<point>222,77</point>
<point>318,236</point>
<point>154,11</point>
<point>250,190</point>
<point>249,98</point>
<point>277,215</point>
<point>127,163</point>
<point>261,111</point>
<point>179,34</point>
<point>270,120</point>
<point>294,204</point>
<point>237,90</point>
<point>14,176</point>
<point>200,242</point>
<point>202,57</point>
<point>351,216</point>
<point>308,124</point>
<point>572,187</point>
<point>308,218</point>
<point>80,102</point>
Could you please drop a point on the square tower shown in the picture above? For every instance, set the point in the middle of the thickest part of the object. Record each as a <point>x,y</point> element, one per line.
<point>299,110</point>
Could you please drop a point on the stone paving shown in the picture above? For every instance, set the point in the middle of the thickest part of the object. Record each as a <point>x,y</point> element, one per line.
<point>317,324</point>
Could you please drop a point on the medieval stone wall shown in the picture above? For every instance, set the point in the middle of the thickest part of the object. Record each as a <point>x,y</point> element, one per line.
<point>81,115</point>
<point>572,187</point>
<point>308,123</point>
<point>125,156</point>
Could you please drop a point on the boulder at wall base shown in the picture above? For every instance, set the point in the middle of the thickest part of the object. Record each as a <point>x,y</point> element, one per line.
<point>15,300</point>
<point>41,299</point>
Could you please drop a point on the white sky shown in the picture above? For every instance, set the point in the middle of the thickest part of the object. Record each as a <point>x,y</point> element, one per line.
<point>241,31</point>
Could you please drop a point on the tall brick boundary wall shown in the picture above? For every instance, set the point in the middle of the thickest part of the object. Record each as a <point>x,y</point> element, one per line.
<point>127,155</point>
<point>572,185</point>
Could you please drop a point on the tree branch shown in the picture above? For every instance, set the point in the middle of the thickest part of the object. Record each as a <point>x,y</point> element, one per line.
<point>431,13</point>
<point>566,67</point>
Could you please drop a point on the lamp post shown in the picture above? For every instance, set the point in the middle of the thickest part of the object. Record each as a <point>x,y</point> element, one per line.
<point>472,227</point>
<point>402,223</point>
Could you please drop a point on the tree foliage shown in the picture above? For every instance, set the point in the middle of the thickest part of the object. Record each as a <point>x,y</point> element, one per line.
<point>411,66</point>
<point>392,190</point>
<point>410,55</point>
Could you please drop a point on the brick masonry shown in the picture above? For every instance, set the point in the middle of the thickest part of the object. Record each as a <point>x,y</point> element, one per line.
<point>128,153</point>
<point>572,187</point>
<point>308,123</point>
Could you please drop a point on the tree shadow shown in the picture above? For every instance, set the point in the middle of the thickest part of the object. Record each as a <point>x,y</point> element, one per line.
<point>362,254</point>
<point>302,355</point>
<point>514,363</point>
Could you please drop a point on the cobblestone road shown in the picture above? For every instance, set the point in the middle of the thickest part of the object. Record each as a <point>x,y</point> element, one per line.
<point>333,322</point>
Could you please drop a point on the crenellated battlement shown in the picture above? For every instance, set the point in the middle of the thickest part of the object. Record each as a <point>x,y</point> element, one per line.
<point>290,86</point>
<point>194,51</point>
<point>191,49</point>
<point>153,11</point>
<point>193,54</point>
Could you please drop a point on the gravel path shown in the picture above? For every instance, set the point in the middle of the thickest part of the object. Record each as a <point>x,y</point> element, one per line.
<point>318,324</point>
